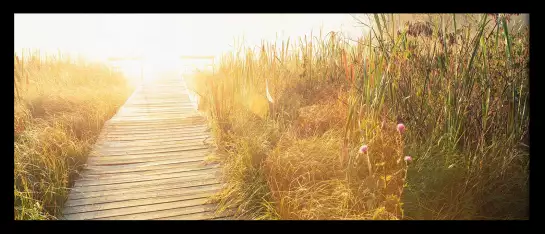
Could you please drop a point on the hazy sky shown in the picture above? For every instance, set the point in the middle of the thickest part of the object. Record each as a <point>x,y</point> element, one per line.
<point>101,35</point>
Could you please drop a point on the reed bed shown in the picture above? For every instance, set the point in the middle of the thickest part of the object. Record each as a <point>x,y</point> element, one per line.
<point>309,128</point>
<point>60,105</point>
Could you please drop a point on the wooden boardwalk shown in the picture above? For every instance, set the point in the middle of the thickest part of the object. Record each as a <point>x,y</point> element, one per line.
<point>148,162</point>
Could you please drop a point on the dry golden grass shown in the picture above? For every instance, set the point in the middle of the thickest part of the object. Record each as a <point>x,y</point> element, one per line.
<point>59,111</point>
<point>464,106</point>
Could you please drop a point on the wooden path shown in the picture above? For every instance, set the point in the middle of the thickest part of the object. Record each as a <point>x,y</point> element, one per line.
<point>148,162</point>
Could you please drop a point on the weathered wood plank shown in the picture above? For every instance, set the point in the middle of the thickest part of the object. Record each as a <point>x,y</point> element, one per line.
<point>153,151</point>
<point>163,129</point>
<point>145,194</point>
<point>152,143</point>
<point>105,150</point>
<point>172,140</point>
<point>141,178</point>
<point>174,211</point>
<point>208,215</point>
<point>155,157</point>
<point>141,138</point>
<point>181,162</point>
<point>196,182</point>
<point>158,128</point>
<point>165,135</point>
<point>93,174</point>
<point>138,202</point>
<point>148,183</point>
<point>150,123</point>
<point>121,161</point>
<point>141,212</point>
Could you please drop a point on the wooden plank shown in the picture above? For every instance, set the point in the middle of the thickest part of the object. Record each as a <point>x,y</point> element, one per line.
<point>159,104</point>
<point>76,195</point>
<point>153,151</point>
<point>121,118</point>
<point>157,156</point>
<point>138,202</point>
<point>111,136</point>
<point>139,125</point>
<point>163,109</point>
<point>106,149</point>
<point>150,101</point>
<point>127,182</point>
<point>131,158</point>
<point>140,212</point>
<point>141,178</point>
<point>140,195</point>
<point>208,215</point>
<point>118,169</point>
<point>185,123</point>
<point>225,218</point>
<point>126,113</point>
<point>120,122</point>
<point>162,91</point>
<point>130,119</point>
<point>158,134</point>
<point>157,214</point>
<point>148,183</point>
<point>95,173</point>
<point>115,166</point>
<point>130,114</point>
<point>143,137</point>
<point>120,145</point>
<point>142,159</point>
<point>153,141</point>
<point>122,139</point>
<point>142,172</point>
<point>182,106</point>
<point>160,127</point>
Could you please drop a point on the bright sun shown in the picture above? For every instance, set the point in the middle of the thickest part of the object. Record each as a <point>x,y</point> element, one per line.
<point>160,39</point>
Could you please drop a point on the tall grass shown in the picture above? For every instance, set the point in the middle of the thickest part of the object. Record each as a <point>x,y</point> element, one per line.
<point>461,90</point>
<point>60,106</point>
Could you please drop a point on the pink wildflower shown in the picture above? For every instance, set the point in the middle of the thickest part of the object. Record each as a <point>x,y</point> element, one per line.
<point>408,159</point>
<point>363,149</point>
<point>401,128</point>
